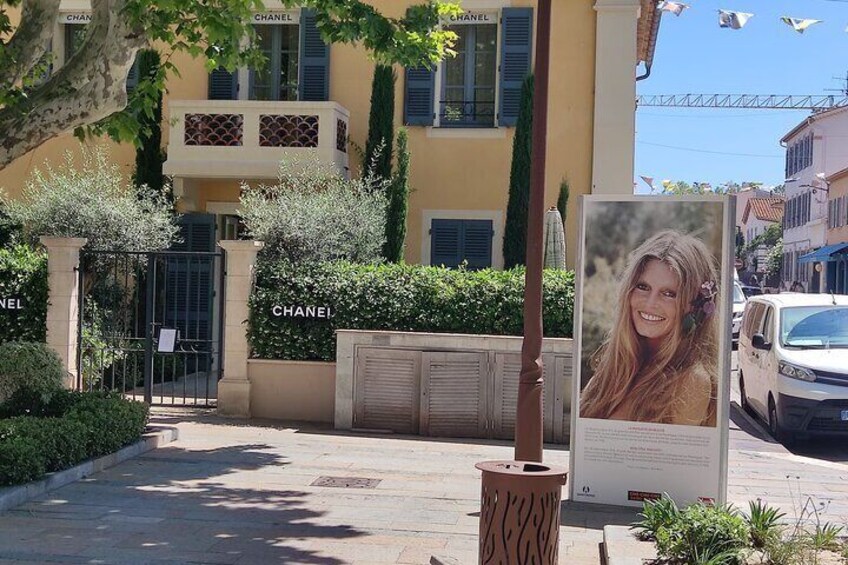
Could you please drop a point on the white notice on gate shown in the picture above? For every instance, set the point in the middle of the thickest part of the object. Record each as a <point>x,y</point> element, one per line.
<point>167,340</point>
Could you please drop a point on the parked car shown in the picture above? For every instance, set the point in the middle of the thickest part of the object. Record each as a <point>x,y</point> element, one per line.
<point>793,363</point>
<point>750,291</point>
<point>739,300</point>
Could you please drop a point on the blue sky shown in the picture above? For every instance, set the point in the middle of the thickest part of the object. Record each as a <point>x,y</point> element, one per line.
<point>695,55</point>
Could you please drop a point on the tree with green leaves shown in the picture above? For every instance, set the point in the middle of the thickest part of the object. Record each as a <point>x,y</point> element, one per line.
<point>88,94</point>
<point>515,230</point>
<point>381,123</point>
<point>398,203</point>
<point>149,156</point>
<point>562,200</point>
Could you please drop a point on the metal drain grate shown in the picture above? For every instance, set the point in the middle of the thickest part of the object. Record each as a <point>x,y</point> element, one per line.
<point>345,482</point>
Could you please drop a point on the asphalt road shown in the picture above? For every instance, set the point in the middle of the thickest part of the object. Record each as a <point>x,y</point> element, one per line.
<point>825,449</point>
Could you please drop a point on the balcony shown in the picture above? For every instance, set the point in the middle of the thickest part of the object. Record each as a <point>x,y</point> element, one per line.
<point>241,139</point>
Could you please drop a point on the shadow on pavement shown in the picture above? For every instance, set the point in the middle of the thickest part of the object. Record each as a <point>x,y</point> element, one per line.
<point>178,505</point>
<point>595,516</point>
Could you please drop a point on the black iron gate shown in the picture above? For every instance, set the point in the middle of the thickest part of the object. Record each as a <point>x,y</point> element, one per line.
<point>151,325</point>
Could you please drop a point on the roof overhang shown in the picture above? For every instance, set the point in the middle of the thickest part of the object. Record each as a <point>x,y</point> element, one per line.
<point>647,30</point>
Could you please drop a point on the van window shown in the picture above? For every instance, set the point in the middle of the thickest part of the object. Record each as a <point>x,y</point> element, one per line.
<point>768,325</point>
<point>753,318</point>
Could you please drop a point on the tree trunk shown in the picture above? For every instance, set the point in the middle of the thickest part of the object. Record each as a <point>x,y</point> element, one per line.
<point>91,86</point>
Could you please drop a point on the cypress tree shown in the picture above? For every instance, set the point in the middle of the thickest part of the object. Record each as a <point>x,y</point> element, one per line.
<point>149,156</point>
<point>515,230</point>
<point>398,201</point>
<point>562,201</point>
<point>378,146</point>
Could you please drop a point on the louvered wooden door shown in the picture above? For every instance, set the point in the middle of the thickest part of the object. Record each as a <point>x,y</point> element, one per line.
<point>386,390</point>
<point>454,394</point>
<point>506,372</point>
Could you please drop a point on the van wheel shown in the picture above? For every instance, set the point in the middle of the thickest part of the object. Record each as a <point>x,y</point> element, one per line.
<point>777,432</point>
<point>743,397</point>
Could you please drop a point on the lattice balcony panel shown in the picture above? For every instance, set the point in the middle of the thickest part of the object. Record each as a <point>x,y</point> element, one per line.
<point>288,131</point>
<point>218,130</point>
<point>341,135</point>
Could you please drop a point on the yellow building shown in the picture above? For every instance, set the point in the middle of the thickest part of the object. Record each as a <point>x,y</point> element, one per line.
<point>222,129</point>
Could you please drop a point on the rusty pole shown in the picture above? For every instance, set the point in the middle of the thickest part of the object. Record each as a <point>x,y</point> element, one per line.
<point>528,424</point>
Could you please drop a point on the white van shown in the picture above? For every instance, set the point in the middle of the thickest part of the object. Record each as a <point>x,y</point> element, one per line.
<point>793,363</point>
<point>739,301</point>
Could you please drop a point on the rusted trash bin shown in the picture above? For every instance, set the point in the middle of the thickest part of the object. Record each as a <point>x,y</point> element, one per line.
<point>519,512</point>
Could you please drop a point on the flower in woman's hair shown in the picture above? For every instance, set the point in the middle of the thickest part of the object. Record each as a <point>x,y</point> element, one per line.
<point>708,308</point>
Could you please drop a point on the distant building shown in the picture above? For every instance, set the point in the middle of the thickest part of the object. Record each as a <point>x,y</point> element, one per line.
<point>837,233</point>
<point>815,149</point>
<point>742,198</point>
<point>758,214</point>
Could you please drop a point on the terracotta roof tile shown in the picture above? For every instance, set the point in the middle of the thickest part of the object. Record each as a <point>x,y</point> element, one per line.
<point>766,209</point>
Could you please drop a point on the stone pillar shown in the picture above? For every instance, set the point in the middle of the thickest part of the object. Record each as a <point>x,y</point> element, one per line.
<point>234,387</point>
<point>615,96</point>
<point>63,300</point>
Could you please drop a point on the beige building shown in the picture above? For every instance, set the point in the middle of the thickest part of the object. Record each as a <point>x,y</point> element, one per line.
<point>222,129</point>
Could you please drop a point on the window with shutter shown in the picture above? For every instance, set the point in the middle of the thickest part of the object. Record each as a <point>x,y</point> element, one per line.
<point>453,241</point>
<point>420,85</point>
<point>469,79</point>
<point>223,85</point>
<point>277,80</point>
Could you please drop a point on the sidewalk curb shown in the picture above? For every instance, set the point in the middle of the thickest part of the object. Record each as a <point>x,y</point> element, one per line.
<point>17,495</point>
<point>622,548</point>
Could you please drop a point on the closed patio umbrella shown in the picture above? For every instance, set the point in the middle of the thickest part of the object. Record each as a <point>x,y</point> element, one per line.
<point>554,240</point>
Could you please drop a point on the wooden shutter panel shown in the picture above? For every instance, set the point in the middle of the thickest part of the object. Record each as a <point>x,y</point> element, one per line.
<point>386,390</point>
<point>420,85</point>
<point>445,242</point>
<point>516,45</point>
<point>223,85</point>
<point>477,243</point>
<point>314,71</point>
<point>453,394</point>
<point>189,292</point>
<point>506,372</point>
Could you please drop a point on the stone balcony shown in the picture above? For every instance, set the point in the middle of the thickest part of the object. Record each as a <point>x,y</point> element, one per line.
<point>242,139</point>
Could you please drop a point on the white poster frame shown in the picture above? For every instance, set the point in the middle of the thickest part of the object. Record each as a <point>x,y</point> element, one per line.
<point>725,343</point>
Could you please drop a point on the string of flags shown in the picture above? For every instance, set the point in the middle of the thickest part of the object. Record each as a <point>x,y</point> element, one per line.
<point>736,20</point>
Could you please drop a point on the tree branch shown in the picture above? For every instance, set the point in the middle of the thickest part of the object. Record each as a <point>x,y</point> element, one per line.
<point>29,43</point>
<point>90,87</point>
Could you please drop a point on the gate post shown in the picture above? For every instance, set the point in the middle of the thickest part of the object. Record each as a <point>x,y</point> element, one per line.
<point>234,387</point>
<point>63,303</point>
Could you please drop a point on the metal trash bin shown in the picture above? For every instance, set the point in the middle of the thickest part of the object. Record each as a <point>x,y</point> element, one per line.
<point>519,513</point>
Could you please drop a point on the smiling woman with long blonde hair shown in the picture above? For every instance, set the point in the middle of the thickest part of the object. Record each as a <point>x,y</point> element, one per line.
<point>659,361</point>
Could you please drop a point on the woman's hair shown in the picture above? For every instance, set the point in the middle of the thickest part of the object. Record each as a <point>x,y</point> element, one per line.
<point>650,381</point>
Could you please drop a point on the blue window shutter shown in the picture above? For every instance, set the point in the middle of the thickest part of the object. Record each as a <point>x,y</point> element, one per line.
<point>420,84</point>
<point>445,242</point>
<point>477,243</point>
<point>314,79</point>
<point>197,232</point>
<point>223,85</point>
<point>516,47</point>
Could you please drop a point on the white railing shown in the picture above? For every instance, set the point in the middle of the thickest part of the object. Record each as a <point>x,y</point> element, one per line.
<point>247,139</point>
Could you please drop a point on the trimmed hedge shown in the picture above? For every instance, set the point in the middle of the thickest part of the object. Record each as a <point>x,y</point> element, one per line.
<point>394,297</point>
<point>23,274</point>
<point>78,426</point>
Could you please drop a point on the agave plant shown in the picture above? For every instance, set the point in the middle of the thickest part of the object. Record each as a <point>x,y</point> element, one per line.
<point>763,522</point>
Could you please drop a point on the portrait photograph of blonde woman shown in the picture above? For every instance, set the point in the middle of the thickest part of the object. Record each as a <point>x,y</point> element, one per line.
<point>652,294</point>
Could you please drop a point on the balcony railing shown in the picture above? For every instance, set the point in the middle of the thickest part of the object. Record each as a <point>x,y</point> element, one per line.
<point>466,114</point>
<point>247,139</point>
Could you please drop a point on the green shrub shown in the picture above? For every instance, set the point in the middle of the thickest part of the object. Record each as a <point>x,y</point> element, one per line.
<point>704,534</point>
<point>23,274</point>
<point>80,426</point>
<point>95,200</point>
<point>31,365</point>
<point>763,523</point>
<point>312,214</point>
<point>656,514</point>
<point>394,297</point>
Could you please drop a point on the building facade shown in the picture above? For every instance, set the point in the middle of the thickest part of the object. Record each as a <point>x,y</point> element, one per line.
<point>311,102</point>
<point>815,149</point>
<point>837,232</point>
<point>758,215</point>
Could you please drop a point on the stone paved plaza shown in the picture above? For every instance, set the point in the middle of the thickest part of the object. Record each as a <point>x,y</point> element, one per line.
<point>241,492</point>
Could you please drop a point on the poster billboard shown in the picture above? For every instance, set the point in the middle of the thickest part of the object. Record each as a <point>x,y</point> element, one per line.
<point>652,349</point>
